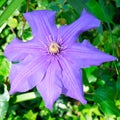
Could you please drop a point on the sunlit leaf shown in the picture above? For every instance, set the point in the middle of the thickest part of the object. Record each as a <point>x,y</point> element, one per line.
<point>9,10</point>
<point>30,115</point>
<point>4,98</point>
<point>91,74</point>
<point>4,66</point>
<point>2,2</point>
<point>26,96</point>
<point>27,35</point>
<point>12,22</point>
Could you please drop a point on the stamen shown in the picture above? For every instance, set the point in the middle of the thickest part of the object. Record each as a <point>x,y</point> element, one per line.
<point>50,38</point>
<point>59,39</point>
<point>54,48</point>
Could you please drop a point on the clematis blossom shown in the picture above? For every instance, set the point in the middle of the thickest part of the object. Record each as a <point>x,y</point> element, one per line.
<point>53,59</point>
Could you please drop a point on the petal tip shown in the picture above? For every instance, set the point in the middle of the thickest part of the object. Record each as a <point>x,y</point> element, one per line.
<point>96,22</point>
<point>112,58</point>
<point>49,106</point>
<point>11,92</point>
<point>84,102</point>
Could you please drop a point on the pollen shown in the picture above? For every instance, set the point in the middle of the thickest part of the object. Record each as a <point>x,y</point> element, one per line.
<point>54,48</point>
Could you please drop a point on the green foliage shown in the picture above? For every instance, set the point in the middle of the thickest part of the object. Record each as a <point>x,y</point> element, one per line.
<point>2,2</point>
<point>12,22</point>
<point>96,9</point>
<point>118,3</point>
<point>4,98</point>
<point>26,96</point>
<point>101,84</point>
<point>4,66</point>
<point>78,5</point>
<point>91,74</point>
<point>105,98</point>
<point>9,10</point>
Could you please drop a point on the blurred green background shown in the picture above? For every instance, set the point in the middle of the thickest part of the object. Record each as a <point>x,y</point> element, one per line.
<point>101,84</point>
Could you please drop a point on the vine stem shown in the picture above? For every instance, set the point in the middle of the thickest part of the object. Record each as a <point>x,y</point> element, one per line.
<point>24,21</point>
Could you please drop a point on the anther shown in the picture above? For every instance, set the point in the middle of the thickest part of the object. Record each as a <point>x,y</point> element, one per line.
<point>54,48</point>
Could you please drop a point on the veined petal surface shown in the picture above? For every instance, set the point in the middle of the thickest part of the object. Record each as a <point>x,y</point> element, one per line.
<point>18,50</point>
<point>42,23</point>
<point>70,33</point>
<point>72,81</point>
<point>86,55</point>
<point>27,74</point>
<point>50,87</point>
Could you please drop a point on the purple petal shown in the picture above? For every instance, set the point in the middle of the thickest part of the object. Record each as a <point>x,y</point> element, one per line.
<point>50,87</point>
<point>42,23</point>
<point>70,33</point>
<point>72,81</point>
<point>86,55</point>
<point>24,76</point>
<point>18,50</point>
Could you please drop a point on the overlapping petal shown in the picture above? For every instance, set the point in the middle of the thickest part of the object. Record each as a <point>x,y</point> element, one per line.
<point>70,33</point>
<point>50,87</point>
<point>18,50</point>
<point>72,81</point>
<point>42,23</point>
<point>27,74</point>
<point>86,55</point>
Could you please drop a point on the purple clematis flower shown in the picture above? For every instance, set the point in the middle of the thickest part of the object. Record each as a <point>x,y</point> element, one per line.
<point>51,61</point>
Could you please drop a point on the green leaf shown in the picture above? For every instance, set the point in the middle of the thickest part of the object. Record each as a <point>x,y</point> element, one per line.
<point>12,22</point>
<point>9,10</point>
<point>118,86</point>
<point>4,66</point>
<point>30,115</point>
<point>95,8</point>
<point>27,35</point>
<point>4,98</point>
<point>2,2</point>
<point>108,18</point>
<point>78,5</point>
<point>108,11</point>
<point>84,78</point>
<point>91,73</point>
<point>26,96</point>
<point>104,96</point>
<point>118,3</point>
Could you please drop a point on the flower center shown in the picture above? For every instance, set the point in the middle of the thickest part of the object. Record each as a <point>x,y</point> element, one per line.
<point>54,48</point>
